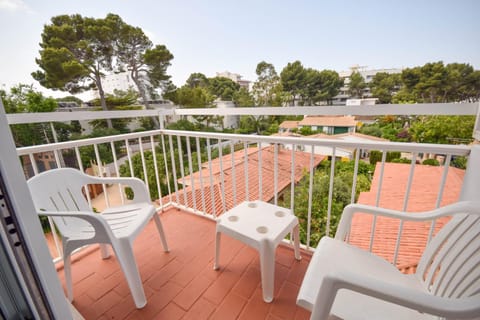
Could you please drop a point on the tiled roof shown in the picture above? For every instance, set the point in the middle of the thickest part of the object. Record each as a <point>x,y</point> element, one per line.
<point>339,121</point>
<point>234,181</point>
<point>289,124</point>
<point>361,136</point>
<point>423,196</point>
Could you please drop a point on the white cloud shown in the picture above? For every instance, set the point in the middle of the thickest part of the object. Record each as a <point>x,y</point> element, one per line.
<point>13,5</point>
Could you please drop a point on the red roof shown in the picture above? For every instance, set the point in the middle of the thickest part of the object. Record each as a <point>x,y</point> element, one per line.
<point>328,121</point>
<point>423,196</point>
<point>234,177</point>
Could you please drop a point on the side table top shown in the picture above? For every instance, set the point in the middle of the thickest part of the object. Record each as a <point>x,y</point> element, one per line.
<point>254,221</point>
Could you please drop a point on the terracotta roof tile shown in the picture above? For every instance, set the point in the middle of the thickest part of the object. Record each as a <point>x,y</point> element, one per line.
<point>423,196</point>
<point>339,121</point>
<point>234,182</point>
<point>289,124</point>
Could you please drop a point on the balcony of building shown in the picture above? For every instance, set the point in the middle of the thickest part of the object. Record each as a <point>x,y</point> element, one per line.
<point>198,176</point>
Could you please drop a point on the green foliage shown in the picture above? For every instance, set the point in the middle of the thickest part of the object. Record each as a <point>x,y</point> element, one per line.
<point>87,153</point>
<point>459,162</point>
<point>401,160</point>
<point>376,156</point>
<point>243,98</point>
<point>431,162</point>
<point>443,129</point>
<point>196,97</point>
<point>342,188</point>
<point>147,64</point>
<point>197,79</point>
<point>292,79</point>
<point>151,177</point>
<point>267,89</point>
<point>356,85</point>
<point>223,88</point>
<point>383,86</point>
<point>119,98</point>
<point>371,130</point>
<point>23,98</point>
<point>435,82</point>
<point>306,131</point>
<point>75,51</point>
<point>253,124</point>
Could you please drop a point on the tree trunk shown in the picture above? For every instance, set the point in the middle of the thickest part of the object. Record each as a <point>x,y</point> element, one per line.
<point>98,82</point>
<point>142,93</point>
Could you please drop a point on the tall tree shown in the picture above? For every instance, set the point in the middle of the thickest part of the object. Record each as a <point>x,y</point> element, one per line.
<point>356,85</point>
<point>223,88</point>
<point>331,84</point>
<point>197,79</point>
<point>293,80</point>
<point>267,89</point>
<point>75,51</point>
<point>147,64</point>
<point>433,77</point>
<point>383,86</point>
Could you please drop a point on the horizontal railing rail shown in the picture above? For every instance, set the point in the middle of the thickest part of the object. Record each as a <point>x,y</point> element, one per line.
<point>465,108</point>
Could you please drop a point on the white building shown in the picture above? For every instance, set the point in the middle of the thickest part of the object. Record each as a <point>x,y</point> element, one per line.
<point>235,77</point>
<point>342,97</point>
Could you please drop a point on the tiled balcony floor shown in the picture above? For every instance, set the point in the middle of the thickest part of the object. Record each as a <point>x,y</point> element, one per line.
<point>182,284</point>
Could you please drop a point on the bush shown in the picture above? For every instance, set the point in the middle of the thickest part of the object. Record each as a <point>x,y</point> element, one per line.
<point>401,160</point>
<point>431,162</point>
<point>376,156</point>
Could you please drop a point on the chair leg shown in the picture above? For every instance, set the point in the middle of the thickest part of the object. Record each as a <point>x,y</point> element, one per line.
<point>161,232</point>
<point>124,252</point>
<point>68,275</point>
<point>216,264</point>
<point>104,252</point>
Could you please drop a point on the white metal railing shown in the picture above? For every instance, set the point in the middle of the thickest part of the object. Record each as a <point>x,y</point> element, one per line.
<point>208,194</point>
<point>210,185</point>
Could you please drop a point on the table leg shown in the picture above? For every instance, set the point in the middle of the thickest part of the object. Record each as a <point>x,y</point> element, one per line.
<point>216,265</point>
<point>296,242</point>
<point>267,268</point>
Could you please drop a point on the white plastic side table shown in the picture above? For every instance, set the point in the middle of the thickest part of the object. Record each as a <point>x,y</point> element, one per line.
<point>262,226</point>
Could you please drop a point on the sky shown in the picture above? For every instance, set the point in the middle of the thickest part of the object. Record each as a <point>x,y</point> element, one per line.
<point>226,35</point>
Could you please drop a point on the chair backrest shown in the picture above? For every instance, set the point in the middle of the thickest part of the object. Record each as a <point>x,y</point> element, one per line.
<point>450,265</point>
<point>60,190</point>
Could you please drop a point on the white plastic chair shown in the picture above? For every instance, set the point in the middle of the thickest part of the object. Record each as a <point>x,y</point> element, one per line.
<point>58,193</point>
<point>351,283</point>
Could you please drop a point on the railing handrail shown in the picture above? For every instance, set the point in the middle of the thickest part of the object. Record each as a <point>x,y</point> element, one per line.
<point>463,108</point>
<point>378,145</point>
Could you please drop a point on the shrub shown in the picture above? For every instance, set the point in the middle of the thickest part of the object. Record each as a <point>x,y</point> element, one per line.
<point>431,162</point>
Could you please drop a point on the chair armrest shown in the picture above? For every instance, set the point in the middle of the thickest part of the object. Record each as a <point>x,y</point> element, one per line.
<point>98,223</point>
<point>138,186</point>
<point>472,207</point>
<point>407,297</point>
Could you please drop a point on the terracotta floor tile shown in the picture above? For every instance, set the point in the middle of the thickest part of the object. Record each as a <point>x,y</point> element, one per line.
<point>249,281</point>
<point>121,310</point>
<point>164,274</point>
<point>230,308</point>
<point>182,284</point>
<point>170,312</point>
<point>106,302</point>
<point>201,310</point>
<point>285,307</point>
<point>192,292</point>
<point>256,308</point>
